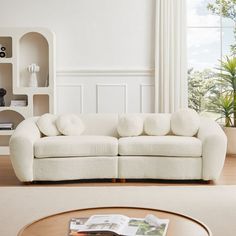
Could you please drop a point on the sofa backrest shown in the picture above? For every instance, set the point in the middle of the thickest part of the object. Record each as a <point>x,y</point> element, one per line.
<point>100,124</point>
<point>143,116</point>
<point>105,124</point>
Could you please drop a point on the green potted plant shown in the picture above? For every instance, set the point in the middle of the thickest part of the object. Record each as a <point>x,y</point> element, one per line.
<point>225,104</point>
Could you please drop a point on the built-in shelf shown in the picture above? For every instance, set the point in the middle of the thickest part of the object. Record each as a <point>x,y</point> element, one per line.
<point>6,132</point>
<point>4,150</point>
<point>6,60</point>
<point>39,108</point>
<point>24,47</point>
<point>6,75</point>
<point>38,90</point>
<point>34,48</point>
<point>6,43</point>
<point>14,108</point>
<point>6,82</point>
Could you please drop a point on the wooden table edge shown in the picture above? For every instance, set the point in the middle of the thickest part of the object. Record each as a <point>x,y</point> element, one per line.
<point>123,207</point>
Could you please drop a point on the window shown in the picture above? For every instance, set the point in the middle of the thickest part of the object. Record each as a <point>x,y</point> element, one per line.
<point>211,37</point>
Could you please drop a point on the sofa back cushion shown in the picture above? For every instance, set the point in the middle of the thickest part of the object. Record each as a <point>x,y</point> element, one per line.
<point>93,124</point>
<point>106,124</point>
<point>100,124</point>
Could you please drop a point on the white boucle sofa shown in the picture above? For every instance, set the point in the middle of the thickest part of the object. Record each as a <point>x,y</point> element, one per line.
<point>99,153</point>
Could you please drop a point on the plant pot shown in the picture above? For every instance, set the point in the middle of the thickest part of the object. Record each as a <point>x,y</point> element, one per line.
<point>231,136</point>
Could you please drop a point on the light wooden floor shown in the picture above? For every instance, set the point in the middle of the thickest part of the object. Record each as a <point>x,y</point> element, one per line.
<point>8,178</point>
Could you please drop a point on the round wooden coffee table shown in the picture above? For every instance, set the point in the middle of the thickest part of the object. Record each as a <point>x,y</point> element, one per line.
<point>58,225</point>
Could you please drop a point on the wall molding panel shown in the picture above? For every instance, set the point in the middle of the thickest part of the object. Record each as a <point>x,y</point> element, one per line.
<point>70,97</point>
<point>105,91</point>
<point>112,100</point>
<point>147,105</point>
<point>105,72</point>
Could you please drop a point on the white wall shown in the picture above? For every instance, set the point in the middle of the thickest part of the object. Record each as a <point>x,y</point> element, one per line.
<point>105,50</point>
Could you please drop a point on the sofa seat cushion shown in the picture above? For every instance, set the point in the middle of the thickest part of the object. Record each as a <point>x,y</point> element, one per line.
<point>176,146</point>
<point>76,146</point>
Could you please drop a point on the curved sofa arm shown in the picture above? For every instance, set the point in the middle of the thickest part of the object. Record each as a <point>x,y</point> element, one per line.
<point>214,144</point>
<point>22,149</point>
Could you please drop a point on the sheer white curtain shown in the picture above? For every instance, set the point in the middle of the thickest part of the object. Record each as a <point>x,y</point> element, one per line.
<point>170,59</point>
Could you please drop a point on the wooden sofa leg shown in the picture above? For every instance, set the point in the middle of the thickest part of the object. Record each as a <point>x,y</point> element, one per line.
<point>123,180</point>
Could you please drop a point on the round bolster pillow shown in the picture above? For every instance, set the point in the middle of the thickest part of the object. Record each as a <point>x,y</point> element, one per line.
<point>130,125</point>
<point>47,124</point>
<point>70,124</point>
<point>185,122</point>
<point>157,124</point>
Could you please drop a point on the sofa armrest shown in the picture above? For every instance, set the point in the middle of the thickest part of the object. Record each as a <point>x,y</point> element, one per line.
<point>214,145</point>
<point>22,148</point>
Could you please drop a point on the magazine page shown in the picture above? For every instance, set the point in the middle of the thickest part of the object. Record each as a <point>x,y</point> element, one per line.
<point>139,227</point>
<point>75,225</point>
<point>127,226</point>
<point>111,223</point>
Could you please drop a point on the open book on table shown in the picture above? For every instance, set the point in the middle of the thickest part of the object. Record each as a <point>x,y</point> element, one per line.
<point>115,224</point>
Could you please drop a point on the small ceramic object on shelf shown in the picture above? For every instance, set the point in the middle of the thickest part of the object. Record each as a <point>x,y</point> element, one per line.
<point>2,51</point>
<point>33,69</point>
<point>2,94</point>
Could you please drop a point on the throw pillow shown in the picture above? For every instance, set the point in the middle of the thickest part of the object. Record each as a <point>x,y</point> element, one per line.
<point>130,125</point>
<point>70,124</point>
<point>185,122</point>
<point>157,124</point>
<point>47,124</point>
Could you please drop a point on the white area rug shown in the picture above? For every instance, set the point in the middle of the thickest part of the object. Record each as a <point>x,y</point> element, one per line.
<point>214,205</point>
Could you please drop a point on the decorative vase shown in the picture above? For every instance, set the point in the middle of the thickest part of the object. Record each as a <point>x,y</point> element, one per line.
<point>33,68</point>
<point>231,137</point>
